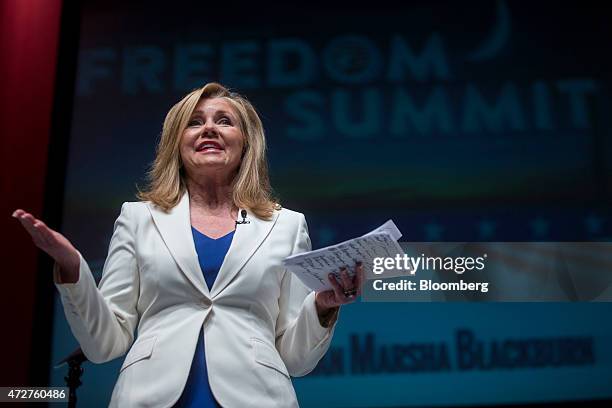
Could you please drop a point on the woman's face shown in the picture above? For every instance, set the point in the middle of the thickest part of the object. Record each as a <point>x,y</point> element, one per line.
<point>212,143</point>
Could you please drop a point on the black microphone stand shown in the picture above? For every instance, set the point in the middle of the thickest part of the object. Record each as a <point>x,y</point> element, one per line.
<point>75,371</point>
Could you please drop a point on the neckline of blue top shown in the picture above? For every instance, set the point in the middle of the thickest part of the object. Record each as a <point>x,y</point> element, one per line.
<point>229,234</point>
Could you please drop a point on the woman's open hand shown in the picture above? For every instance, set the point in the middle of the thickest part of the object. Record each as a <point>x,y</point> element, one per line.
<point>53,243</point>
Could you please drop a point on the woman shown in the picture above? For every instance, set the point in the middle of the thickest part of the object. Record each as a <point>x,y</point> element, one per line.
<point>195,268</point>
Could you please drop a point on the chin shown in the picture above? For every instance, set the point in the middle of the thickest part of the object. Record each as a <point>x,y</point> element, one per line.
<point>214,163</point>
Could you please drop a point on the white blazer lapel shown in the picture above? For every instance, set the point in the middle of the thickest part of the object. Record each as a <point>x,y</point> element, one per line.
<point>175,229</point>
<point>247,239</point>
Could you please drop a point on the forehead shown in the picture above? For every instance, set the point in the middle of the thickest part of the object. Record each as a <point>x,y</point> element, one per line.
<point>213,105</point>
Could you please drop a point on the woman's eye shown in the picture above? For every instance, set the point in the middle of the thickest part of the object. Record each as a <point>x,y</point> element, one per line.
<point>194,122</point>
<point>225,121</point>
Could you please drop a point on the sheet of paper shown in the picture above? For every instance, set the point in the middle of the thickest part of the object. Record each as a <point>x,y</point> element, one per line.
<point>313,267</point>
<point>390,228</point>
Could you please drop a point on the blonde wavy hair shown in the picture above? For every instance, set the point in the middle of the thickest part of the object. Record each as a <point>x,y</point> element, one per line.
<point>251,185</point>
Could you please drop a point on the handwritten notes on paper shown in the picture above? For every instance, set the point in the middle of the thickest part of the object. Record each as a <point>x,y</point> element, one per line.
<point>313,267</point>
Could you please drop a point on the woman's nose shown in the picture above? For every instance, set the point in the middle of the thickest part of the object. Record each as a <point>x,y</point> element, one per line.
<point>209,129</point>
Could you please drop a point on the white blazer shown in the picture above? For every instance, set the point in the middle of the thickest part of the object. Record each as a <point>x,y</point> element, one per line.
<point>260,322</point>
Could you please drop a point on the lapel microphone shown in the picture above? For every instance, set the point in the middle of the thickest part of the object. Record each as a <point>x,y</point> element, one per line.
<point>243,214</point>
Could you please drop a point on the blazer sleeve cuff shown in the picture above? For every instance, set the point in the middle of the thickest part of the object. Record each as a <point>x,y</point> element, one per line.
<point>75,293</point>
<point>322,334</point>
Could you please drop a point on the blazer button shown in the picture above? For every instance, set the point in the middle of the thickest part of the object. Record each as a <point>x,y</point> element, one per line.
<point>205,303</point>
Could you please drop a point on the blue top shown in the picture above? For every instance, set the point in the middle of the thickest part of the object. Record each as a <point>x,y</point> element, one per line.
<point>211,253</point>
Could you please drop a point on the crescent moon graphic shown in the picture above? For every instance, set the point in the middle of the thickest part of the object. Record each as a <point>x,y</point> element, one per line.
<point>498,37</point>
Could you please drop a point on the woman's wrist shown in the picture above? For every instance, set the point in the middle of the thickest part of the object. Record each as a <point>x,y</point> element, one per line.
<point>327,315</point>
<point>69,268</point>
